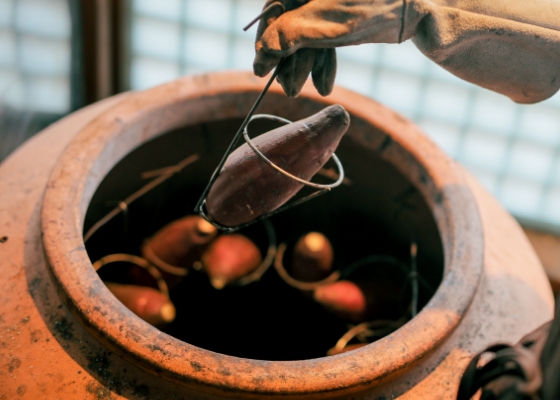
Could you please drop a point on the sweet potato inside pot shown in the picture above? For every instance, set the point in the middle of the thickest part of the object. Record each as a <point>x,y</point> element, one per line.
<point>247,187</point>
<point>343,298</point>
<point>149,304</point>
<point>181,242</point>
<point>360,301</point>
<point>312,258</point>
<point>229,258</point>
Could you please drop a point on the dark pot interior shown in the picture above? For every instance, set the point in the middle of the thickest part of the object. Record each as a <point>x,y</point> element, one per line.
<point>379,212</point>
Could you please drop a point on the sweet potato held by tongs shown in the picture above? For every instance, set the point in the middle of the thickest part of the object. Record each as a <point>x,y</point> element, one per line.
<point>247,187</point>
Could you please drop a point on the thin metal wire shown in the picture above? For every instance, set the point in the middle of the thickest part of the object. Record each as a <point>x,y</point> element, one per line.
<point>238,134</point>
<point>267,9</point>
<point>279,265</point>
<point>283,172</point>
<point>140,262</point>
<point>139,193</point>
<point>377,258</point>
<point>330,173</point>
<point>252,277</point>
<point>200,206</point>
<point>267,262</point>
<point>381,328</point>
<point>371,329</point>
<point>159,263</point>
<point>226,229</point>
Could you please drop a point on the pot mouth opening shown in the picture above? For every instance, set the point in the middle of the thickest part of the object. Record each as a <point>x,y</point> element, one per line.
<point>374,222</point>
<point>394,169</point>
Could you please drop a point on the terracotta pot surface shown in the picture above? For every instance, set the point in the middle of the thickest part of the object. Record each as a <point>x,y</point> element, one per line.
<point>64,335</point>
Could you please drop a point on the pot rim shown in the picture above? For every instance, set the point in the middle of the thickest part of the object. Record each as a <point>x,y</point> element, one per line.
<point>145,115</point>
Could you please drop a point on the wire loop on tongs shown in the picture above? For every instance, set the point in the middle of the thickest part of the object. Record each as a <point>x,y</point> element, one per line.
<point>264,12</point>
<point>283,172</point>
<point>322,189</point>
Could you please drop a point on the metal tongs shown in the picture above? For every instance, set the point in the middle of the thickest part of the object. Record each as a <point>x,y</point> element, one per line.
<point>321,189</point>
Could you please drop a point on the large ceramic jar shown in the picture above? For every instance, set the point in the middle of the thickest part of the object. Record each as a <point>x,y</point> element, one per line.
<point>63,335</point>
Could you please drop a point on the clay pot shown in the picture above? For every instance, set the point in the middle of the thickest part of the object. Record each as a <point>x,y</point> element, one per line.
<point>65,336</point>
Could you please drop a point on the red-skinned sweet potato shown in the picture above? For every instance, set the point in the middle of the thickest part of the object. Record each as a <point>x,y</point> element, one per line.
<point>343,298</point>
<point>180,243</point>
<point>149,304</point>
<point>247,187</point>
<point>229,258</point>
<point>363,300</point>
<point>312,258</point>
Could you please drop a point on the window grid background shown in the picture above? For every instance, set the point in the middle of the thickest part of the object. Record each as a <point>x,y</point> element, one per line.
<point>35,55</point>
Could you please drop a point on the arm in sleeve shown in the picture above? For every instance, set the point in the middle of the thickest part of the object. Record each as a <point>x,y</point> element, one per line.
<point>508,46</point>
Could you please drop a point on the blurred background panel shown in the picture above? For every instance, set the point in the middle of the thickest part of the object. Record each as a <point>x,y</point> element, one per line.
<point>35,53</point>
<point>59,55</point>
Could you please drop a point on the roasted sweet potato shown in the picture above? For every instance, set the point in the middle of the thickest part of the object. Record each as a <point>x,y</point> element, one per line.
<point>343,298</point>
<point>312,258</point>
<point>229,258</point>
<point>180,243</point>
<point>361,301</point>
<point>149,304</point>
<point>247,187</point>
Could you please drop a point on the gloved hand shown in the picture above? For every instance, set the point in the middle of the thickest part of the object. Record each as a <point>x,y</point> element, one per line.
<point>509,46</point>
<point>309,31</point>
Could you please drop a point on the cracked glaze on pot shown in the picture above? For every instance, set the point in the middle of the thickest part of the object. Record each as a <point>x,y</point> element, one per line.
<point>142,116</point>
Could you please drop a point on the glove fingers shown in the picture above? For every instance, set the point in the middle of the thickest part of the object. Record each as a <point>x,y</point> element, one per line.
<point>324,70</point>
<point>270,16</point>
<point>316,24</point>
<point>295,71</point>
<point>264,62</point>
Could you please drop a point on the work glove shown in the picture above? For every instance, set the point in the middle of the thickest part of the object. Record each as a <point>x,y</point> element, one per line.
<point>508,46</point>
